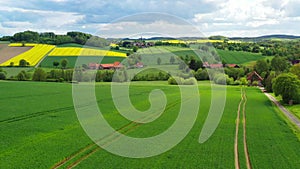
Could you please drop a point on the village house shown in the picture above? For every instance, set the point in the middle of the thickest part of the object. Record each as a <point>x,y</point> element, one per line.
<point>115,65</point>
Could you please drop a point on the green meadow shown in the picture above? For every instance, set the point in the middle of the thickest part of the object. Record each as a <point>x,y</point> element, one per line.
<point>40,129</point>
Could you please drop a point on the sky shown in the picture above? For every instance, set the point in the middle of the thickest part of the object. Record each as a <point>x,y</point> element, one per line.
<point>231,18</point>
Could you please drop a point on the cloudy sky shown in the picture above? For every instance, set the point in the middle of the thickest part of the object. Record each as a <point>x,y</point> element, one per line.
<point>210,17</point>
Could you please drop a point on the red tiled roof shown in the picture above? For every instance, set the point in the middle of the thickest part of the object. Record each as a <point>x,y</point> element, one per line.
<point>232,65</point>
<point>216,65</point>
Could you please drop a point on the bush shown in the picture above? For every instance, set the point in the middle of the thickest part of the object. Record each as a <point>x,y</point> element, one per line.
<point>180,81</point>
<point>39,75</point>
<point>223,79</point>
<point>244,81</point>
<point>220,79</point>
<point>61,79</point>
<point>190,81</point>
<point>104,75</point>
<point>237,82</point>
<point>255,83</point>
<point>201,74</point>
<point>2,76</point>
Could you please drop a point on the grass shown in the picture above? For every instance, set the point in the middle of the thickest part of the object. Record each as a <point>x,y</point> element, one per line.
<point>39,128</point>
<point>271,142</point>
<point>48,61</point>
<point>13,71</point>
<point>165,52</point>
<point>238,57</point>
<point>295,109</point>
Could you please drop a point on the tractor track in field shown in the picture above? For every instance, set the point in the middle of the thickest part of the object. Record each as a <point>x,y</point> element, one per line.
<point>248,163</point>
<point>237,121</point>
<point>236,148</point>
<point>107,140</point>
<point>92,148</point>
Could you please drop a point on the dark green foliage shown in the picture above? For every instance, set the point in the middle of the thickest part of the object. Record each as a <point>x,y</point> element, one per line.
<point>104,75</point>
<point>64,63</point>
<point>288,86</point>
<point>55,63</point>
<point>2,76</point>
<point>201,74</point>
<point>135,49</point>
<point>158,61</point>
<point>296,70</point>
<point>21,76</point>
<point>235,73</point>
<point>51,38</point>
<point>151,75</point>
<point>223,79</point>
<point>269,82</point>
<point>261,66</point>
<point>172,60</point>
<point>279,64</point>
<point>195,64</point>
<point>27,36</point>
<point>39,75</point>
<point>176,80</point>
<point>23,63</point>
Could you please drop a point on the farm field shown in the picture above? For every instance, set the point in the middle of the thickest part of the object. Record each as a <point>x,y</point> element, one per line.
<point>238,57</point>
<point>76,51</point>
<point>165,52</point>
<point>48,61</point>
<point>47,133</point>
<point>90,55</point>
<point>32,56</point>
<point>7,52</point>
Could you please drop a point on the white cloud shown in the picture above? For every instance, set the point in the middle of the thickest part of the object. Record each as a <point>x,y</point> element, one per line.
<point>231,17</point>
<point>236,17</point>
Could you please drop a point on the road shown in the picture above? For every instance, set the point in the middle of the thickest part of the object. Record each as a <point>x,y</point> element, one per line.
<point>287,113</point>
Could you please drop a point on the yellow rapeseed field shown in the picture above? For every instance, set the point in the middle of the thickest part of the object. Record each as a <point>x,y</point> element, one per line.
<point>32,56</point>
<point>20,44</point>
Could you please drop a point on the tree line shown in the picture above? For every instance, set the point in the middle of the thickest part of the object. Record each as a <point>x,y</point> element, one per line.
<point>54,39</point>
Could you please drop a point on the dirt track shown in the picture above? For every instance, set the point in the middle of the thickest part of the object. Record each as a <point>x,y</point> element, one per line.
<point>236,148</point>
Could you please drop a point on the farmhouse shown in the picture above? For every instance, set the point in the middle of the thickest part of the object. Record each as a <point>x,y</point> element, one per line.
<point>207,65</point>
<point>254,76</point>
<point>115,65</point>
<point>232,65</point>
<point>214,66</point>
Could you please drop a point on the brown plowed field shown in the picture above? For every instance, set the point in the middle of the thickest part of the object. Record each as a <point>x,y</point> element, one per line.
<point>7,52</point>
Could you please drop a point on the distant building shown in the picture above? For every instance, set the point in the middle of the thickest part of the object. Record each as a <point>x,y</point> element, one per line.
<point>206,64</point>
<point>232,65</point>
<point>214,66</point>
<point>254,76</point>
<point>139,65</point>
<point>115,65</point>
